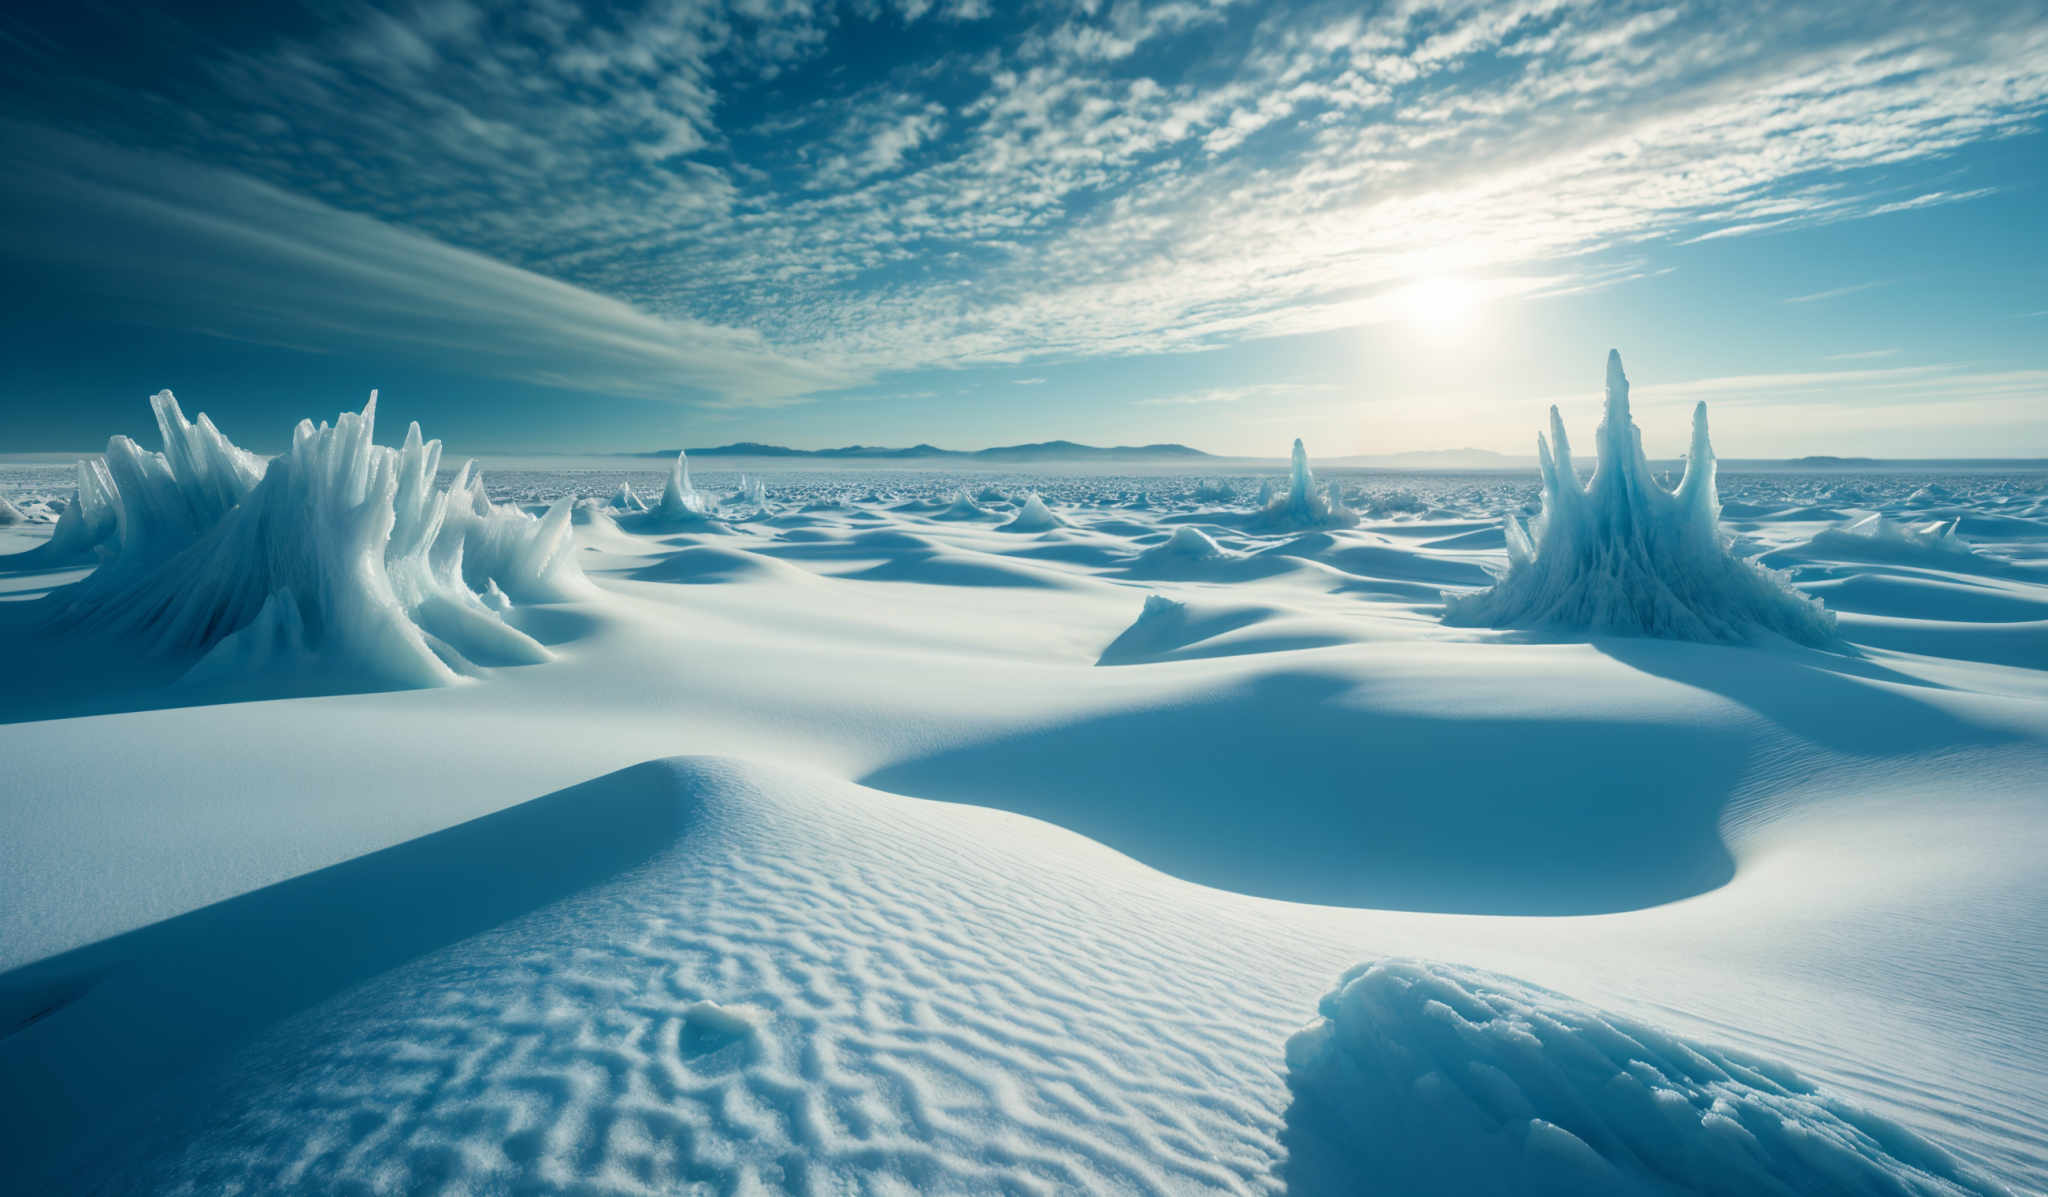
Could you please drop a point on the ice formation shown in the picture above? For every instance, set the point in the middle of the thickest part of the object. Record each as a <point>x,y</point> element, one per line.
<point>1442,1079</point>
<point>1622,555</point>
<point>1034,516</point>
<point>1214,490</point>
<point>1938,537</point>
<point>680,502</point>
<point>339,556</point>
<point>751,493</point>
<point>10,514</point>
<point>87,521</point>
<point>1305,505</point>
<point>626,500</point>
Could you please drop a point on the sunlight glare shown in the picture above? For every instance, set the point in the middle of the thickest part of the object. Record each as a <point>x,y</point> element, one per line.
<point>1442,306</point>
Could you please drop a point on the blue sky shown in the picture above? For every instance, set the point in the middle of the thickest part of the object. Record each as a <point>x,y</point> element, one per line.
<point>547,226</point>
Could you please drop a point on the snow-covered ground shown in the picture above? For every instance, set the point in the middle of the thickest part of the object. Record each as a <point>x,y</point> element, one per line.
<point>876,832</point>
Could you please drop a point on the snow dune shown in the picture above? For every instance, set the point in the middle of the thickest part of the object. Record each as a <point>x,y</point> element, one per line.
<point>1017,862</point>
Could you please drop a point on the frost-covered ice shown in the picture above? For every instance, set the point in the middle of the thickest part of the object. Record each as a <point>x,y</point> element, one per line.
<point>680,502</point>
<point>1306,505</point>
<point>339,556</point>
<point>1622,555</point>
<point>626,500</point>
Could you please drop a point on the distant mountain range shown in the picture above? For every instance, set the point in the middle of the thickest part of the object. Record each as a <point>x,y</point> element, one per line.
<point>1041,451</point>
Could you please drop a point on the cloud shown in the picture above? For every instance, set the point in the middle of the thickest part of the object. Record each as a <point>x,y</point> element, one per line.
<point>1257,391</point>
<point>1835,293</point>
<point>1109,179</point>
<point>227,256</point>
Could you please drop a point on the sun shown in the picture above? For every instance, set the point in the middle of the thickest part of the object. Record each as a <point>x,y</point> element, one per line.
<point>1442,306</point>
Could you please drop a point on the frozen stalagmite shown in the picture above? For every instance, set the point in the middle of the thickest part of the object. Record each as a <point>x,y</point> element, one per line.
<point>1622,555</point>
<point>339,556</point>
<point>680,502</point>
<point>1306,505</point>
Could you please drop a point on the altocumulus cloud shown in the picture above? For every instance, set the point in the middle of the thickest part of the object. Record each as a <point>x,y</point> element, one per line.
<point>767,199</point>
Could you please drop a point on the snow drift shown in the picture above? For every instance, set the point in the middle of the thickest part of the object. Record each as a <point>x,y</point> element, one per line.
<point>963,507</point>
<point>1622,555</point>
<point>1306,505</point>
<point>340,556</point>
<point>1432,1078</point>
<point>1188,543</point>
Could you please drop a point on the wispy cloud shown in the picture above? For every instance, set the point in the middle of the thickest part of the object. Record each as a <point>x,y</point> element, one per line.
<point>238,258</point>
<point>1864,355</point>
<point>1835,293</point>
<point>1242,394</point>
<point>710,193</point>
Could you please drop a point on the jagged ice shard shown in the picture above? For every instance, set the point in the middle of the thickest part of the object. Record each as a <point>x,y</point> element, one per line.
<point>339,556</point>
<point>1306,505</point>
<point>680,502</point>
<point>1622,555</point>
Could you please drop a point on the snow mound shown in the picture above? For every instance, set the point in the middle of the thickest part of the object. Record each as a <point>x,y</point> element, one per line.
<point>10,514</point>
<point>1622,555</point>
<point>1034,516</point>
<point>1305,505</point>
<point>963,507</point>
<point>338,557</point>
<point>1432,1078</point>
<point>1188,543</point>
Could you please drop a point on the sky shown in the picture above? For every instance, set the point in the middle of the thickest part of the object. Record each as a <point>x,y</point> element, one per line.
<point>551,227</point>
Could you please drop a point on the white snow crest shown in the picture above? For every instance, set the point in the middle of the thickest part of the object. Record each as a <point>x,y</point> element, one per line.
<point>1423,1077</point>
<point>1622,555</point>
<point>340,556</point>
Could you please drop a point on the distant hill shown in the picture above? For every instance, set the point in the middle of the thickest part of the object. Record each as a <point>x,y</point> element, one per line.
<point>1041,451</point>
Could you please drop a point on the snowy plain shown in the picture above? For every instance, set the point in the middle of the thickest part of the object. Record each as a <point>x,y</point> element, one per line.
<point>886,831</point>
